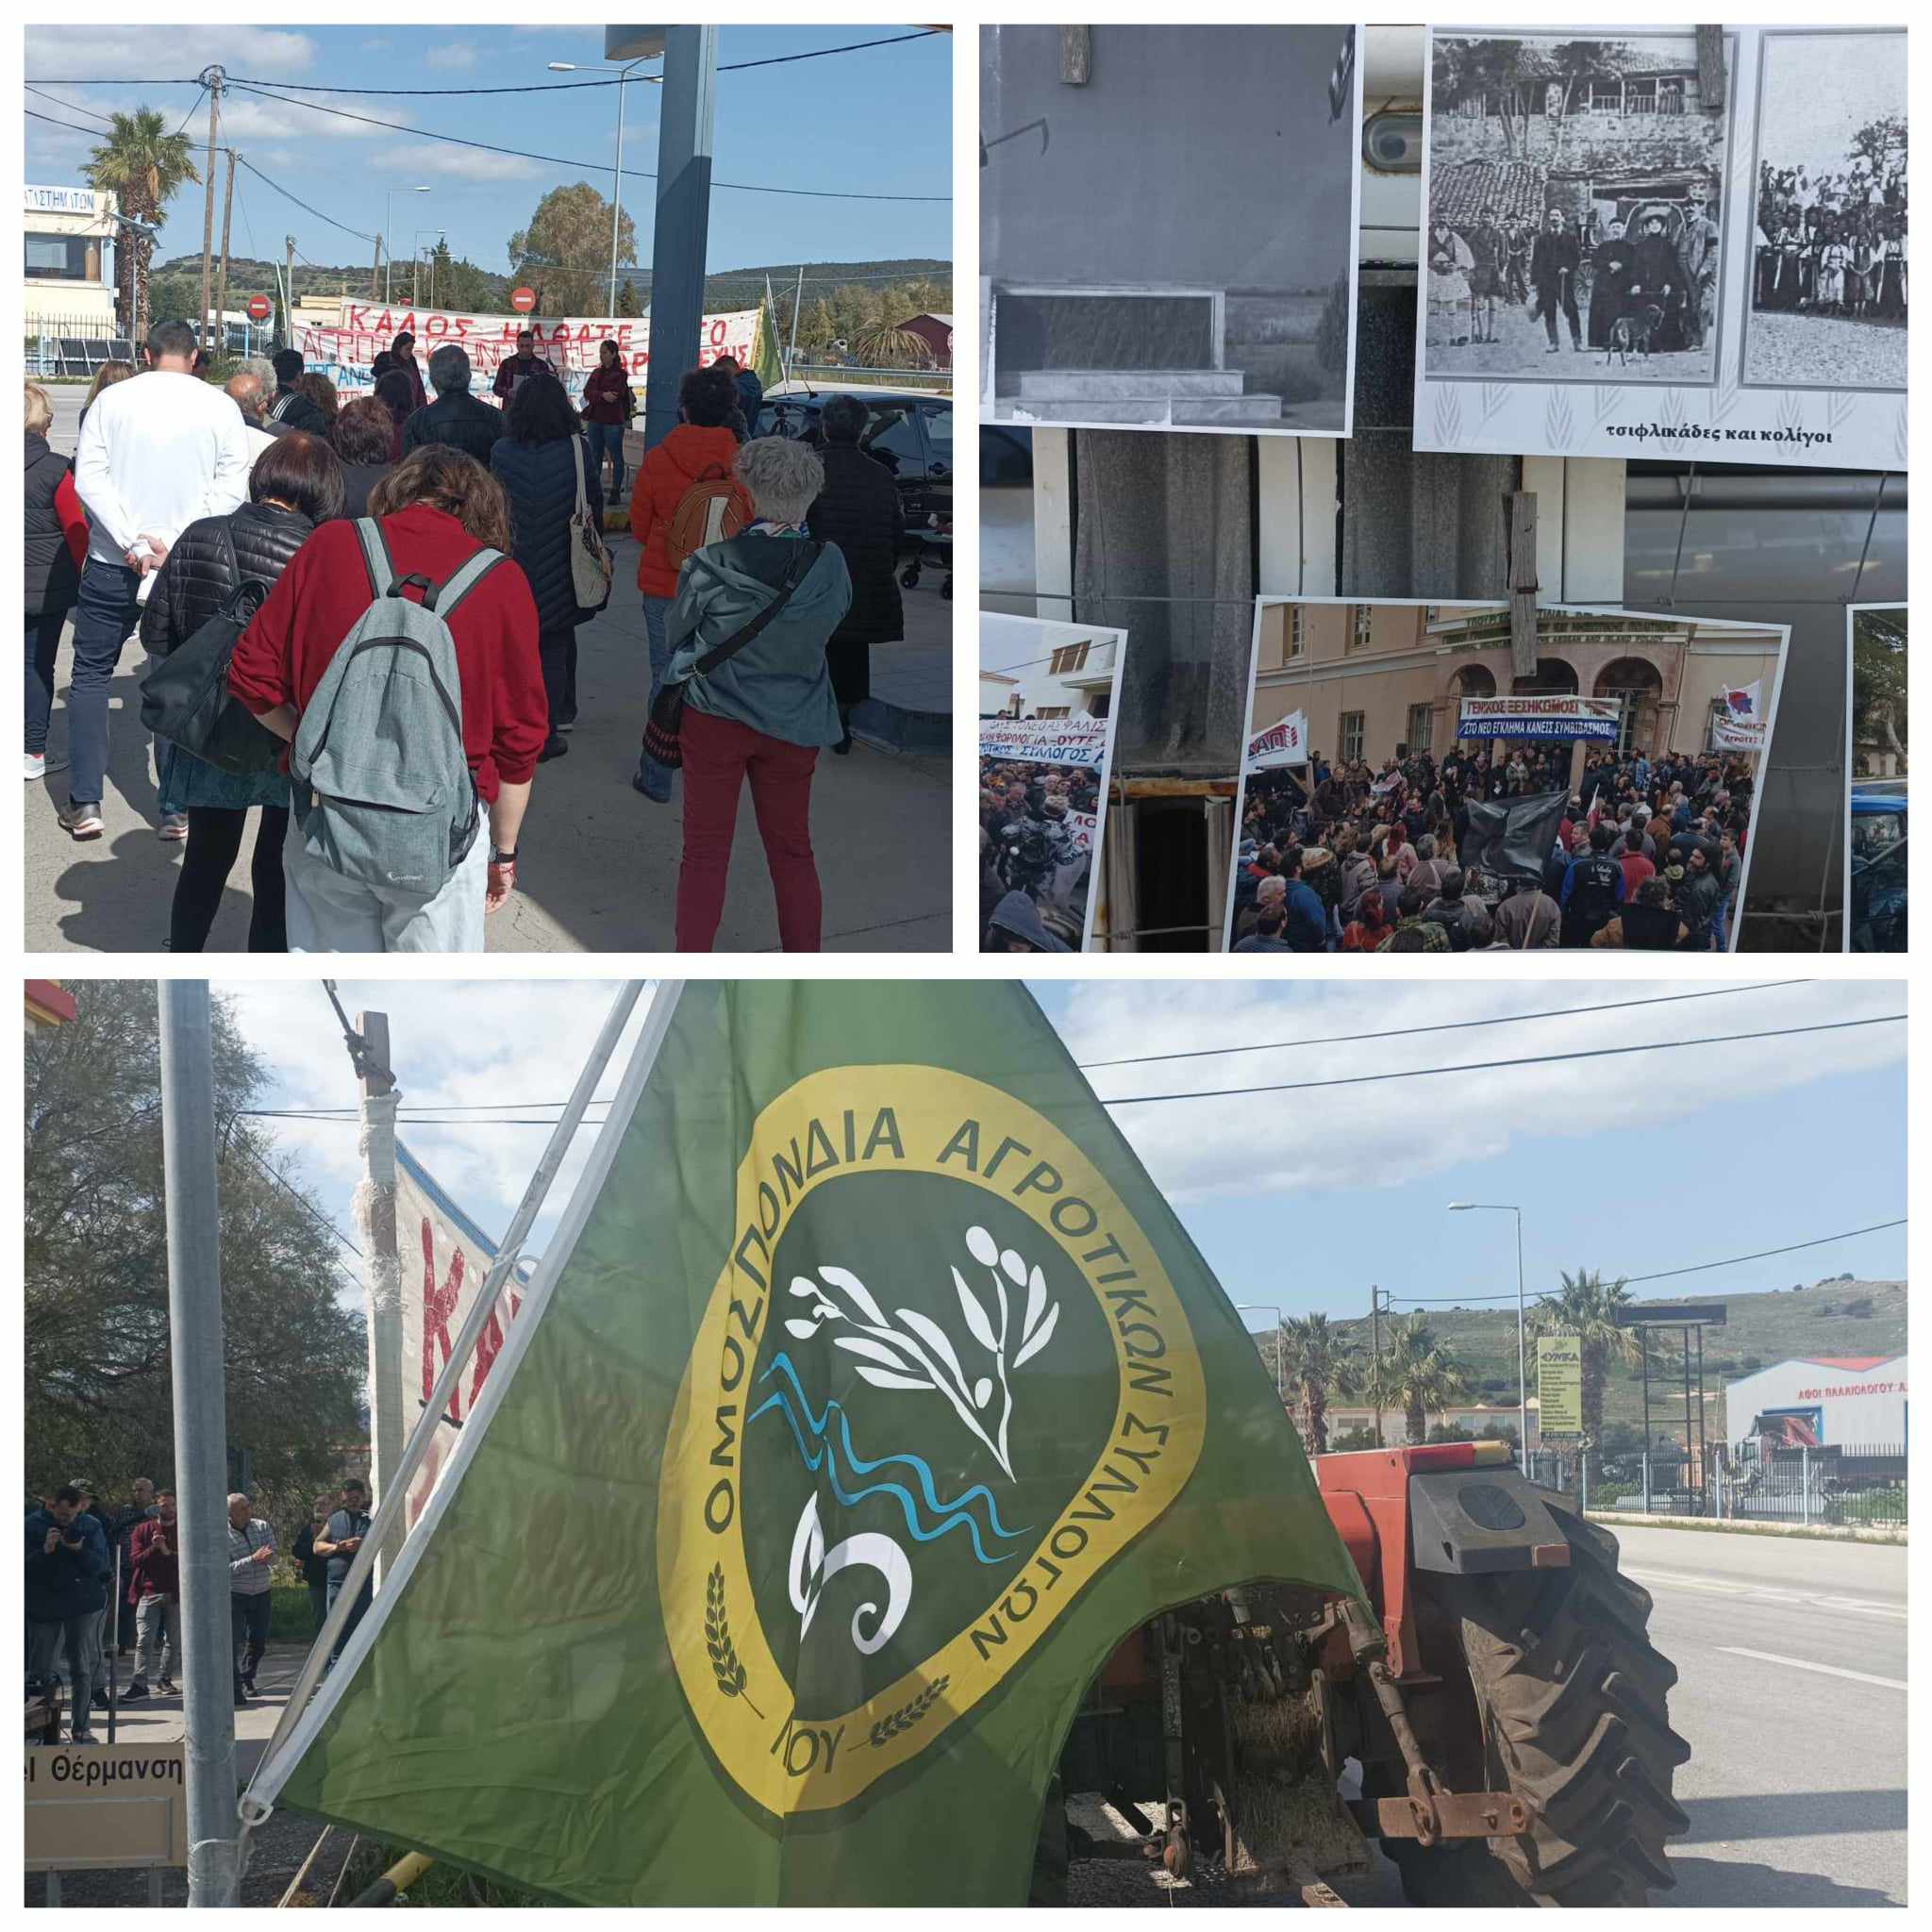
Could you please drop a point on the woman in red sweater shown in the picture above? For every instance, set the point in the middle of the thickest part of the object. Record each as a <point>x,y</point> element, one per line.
<point>437,507</point>
<point>608,408</point>
<point>699,446</point>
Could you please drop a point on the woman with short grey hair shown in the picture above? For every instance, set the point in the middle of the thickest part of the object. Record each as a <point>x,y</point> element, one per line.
<point>762,712</point>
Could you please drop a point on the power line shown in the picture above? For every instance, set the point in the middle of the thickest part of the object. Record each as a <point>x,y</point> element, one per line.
<point>190,113</point>
<point>303,204</point>
<point>296,1194</point>
<point>1823,1240</point>
<point>1490,1066</point>
<point>72,107</point>
<point>562,161</point>
<point>1441,1027</point>
<point>72,126</point>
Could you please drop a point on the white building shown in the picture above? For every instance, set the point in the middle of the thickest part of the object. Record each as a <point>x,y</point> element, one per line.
<point>1074,677</point>
<point>69,283</point>
<point>996,691</point>
<point>1849,1400</point>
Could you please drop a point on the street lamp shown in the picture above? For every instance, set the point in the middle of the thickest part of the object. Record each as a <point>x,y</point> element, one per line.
<point>389,230</point>
<point>617,171</point>
<point>416,254</point>
<point>1280,1354</point>
<point>1521,1351</point>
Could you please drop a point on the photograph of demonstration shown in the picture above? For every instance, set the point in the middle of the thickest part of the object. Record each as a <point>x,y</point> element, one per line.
<point>1168,226</point>
<point>849,1401</point>
<point>1410,787</point>
<point>1875,811</point>
<point>1828,286</point>
<point>670,457</point>
<point>1048,701</point>
<point>1677,245</point>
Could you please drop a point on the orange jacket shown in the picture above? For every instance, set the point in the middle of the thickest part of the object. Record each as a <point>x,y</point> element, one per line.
<point>663,477</point>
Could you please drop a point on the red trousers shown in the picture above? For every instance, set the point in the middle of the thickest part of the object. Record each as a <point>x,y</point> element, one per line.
<point>719,754</point>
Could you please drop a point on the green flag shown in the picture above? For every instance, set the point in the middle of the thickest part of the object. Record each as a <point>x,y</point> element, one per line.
<point>869,1395</point>
<point>765,364</point>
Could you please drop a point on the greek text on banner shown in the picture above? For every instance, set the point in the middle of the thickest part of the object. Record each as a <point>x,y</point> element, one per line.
<point>1597,719</point>
<point>1045,741</point>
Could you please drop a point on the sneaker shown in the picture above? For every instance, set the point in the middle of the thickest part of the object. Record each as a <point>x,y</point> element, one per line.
<point>568,725</point>
<point>167,1688</point>
<point>83,1737</point>
<point>240,1695</point>
<point>248,1686</point>
<point>83,821</point>
<point>37,764</point>
<point>657,787</point>
<point>136,1691</point>
<point>553,747</point>
<point>100,1697</point>
<point>173,826</point>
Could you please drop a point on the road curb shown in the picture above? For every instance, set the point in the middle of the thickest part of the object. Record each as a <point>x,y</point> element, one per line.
<point>1821,1533</point>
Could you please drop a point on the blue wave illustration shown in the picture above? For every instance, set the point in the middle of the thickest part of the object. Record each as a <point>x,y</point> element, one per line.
<point>819,1451</point>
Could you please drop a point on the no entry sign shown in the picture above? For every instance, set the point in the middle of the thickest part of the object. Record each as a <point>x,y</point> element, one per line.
<point>523,300</point>
<point>259,309</point>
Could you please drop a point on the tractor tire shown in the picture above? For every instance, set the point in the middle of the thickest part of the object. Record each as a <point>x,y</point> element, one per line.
<point>1571,1698</point>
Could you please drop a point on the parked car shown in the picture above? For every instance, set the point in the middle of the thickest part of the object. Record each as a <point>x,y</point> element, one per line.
<point>1877,910</point>
<point>909,431</point>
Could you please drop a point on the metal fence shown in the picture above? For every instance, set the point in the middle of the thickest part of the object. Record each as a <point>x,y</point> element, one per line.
<point>1847,1485</point>
<point>76,346</point>
<point>831,376</point>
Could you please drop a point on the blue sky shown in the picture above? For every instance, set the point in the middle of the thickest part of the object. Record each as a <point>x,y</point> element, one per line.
<point>878,121</point>
<point>1630,1164</point>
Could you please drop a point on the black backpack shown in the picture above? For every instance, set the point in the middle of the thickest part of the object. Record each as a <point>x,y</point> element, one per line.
<point>184,697</point>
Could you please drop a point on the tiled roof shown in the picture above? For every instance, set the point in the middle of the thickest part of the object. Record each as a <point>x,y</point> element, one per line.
<point>1463,194</point>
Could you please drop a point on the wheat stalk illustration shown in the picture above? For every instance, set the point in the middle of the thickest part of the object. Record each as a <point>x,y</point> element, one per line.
<point>908,1714</point>
<point>725,1667</point>
<point>1557,420</point>
<point>919,1354</point>
<point>1900,441</point>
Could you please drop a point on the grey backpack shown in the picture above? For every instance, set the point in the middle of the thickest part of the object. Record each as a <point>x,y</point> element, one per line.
<point>380,787</point>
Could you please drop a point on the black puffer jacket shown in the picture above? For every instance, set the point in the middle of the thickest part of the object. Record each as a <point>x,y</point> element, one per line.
<point>540,480</point>
<point>460,419</point>
<point>53,578</point>
<point>292,408</point>
<point>198,575</point>
<point>859,511</point>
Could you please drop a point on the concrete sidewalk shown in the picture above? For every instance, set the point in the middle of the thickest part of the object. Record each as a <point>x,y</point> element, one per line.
<point>599,866</point>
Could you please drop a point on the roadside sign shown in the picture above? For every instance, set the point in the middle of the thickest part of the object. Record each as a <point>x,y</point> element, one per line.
<point>523,300</point>
<point>105,1806</point>
<point>1560,1385</point>
<point>259,309</point>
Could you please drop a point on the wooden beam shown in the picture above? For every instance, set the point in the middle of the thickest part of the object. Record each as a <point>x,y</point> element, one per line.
<point>1711,68</point>
<point>1076,56</point>
<point>1522,582</point>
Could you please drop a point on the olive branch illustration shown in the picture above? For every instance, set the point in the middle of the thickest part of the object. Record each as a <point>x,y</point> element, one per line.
<point>919,1354</point>
<point>724,1664</point>
<point>909,1714</point>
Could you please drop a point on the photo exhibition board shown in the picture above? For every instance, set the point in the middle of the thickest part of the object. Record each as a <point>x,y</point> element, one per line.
<point>1876,779</point>
<point>1168,226</point>
<point>1049,700</point>
<point>1337,683</point>
<point>1616,261</point>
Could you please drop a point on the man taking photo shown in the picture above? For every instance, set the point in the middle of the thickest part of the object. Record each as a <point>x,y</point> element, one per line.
<point>66,1590</point>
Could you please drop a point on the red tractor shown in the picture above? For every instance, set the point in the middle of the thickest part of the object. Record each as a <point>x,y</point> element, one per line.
<point>1505,1705</point>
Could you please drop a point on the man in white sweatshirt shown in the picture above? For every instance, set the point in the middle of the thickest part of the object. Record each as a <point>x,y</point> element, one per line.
<point>155,453</point>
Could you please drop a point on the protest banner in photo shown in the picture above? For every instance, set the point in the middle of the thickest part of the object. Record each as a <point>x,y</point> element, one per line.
<point>443,1256</point>
<point>1877,640</point>
<point>1614,265</point>
<point>1049,694</point>
<point>1419,750</point>
<point>570,343</point>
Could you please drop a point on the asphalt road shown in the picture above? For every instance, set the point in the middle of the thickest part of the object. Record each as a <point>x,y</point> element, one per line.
<point>1791,1691</point>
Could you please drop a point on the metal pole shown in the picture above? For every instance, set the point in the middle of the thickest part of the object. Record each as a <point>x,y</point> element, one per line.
<point>201,1432</point>
<point>1522,1356</point>
<point>389,1508</point>
<point>212,78</point>
<point>1646,1479</point>
<point>1376,1332</point>
<point>1687,1409</point>
<point>388,240</point>
<point>685,124</point>
<point>1805,1485</point>
<point>375,1209</point>
<point>616,191</point>
<point>792,344</point>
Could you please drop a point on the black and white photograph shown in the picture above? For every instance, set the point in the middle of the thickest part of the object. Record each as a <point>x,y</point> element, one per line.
<point>1574,208</point>
<point>1168,226</point>
<point>1828,283</point>
<point>1048,705</point>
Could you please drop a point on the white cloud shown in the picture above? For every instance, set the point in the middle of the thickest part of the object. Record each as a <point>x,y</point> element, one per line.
<point>461,163</point>
<point>1346,1135</point>
<point>457,54</point>
<point>373,46</point>
<point>246,117</point>
<point>137,53</point>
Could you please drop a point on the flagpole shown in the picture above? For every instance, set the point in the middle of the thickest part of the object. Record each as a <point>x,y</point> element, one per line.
<point>375,1212</point>
<point>390,1507</point>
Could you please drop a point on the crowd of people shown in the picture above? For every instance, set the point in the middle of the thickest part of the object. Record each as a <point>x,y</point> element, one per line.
<point>1035,870</point>
<point>100,1580</point>
<point>1645,854</point>
<point>1832,243</point>
<point>1633,284</point>
<point>766,570</point>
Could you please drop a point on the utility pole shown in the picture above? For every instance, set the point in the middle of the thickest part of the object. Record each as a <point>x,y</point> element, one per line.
<point>201,1434</point>
<point>288,293</point>
<point>375,1209</point>
<point>212,78</point>
<point>221,286</point>
<point>376,269</point>
<point>686,116</point>
<point>1376,1305</point>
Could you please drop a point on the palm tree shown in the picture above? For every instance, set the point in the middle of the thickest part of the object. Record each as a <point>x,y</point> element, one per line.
<point>1586,1306</point>
<point>1320,1361</point>
<point>143,164</point>
<point>892,348</point>
<point>1417,1373</point>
